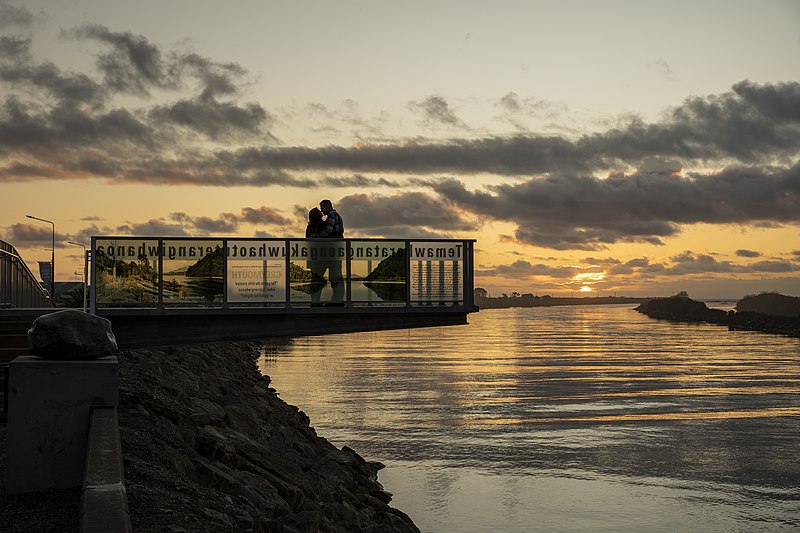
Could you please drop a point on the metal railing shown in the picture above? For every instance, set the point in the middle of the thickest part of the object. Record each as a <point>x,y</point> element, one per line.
<point>18,285</point>
<point>208,272</point>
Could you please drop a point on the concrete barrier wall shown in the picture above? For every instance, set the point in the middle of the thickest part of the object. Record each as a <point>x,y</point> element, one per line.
<point>104,502</point>
<point>49,408</point>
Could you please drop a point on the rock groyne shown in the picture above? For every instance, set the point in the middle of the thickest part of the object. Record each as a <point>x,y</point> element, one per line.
<point>684,309</point>
<point>209,446</point>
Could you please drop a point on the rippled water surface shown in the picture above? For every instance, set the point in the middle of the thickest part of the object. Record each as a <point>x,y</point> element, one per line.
<point>563,419</point>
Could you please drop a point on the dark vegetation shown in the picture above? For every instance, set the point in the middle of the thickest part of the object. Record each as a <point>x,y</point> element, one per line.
<point>767,312</point>
<point>484,301</point>
<point>209,266</point>
<point>393,268</point>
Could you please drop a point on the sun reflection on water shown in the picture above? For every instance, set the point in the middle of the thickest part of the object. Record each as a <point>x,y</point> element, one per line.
<point>539,416</point>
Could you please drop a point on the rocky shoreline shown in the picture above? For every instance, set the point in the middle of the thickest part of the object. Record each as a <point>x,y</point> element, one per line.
<point>681,308</point>
<point>209,446</point>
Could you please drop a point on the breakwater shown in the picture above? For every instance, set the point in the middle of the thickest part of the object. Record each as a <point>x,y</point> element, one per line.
<point>683,309</point>
<point>209,446</point>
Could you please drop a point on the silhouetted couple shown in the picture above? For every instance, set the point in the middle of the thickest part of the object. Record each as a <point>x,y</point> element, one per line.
<point>326,223</point>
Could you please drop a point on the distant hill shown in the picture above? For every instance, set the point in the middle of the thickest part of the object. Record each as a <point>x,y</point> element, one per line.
<point>209,266</point>
<point>770,303</point>
<point>393,268</point>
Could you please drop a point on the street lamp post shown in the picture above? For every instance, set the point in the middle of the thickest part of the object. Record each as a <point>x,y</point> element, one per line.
<point>52,258</point>
<point>85,269</point>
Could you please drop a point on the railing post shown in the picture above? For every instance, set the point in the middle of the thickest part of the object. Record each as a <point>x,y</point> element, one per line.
<point>224,273</point>
<point>160,302</point>
<point>288,272</point>
<point>469,273</point>
<point>93,277</point>
<point>348,277</point>
<point>408,273</point>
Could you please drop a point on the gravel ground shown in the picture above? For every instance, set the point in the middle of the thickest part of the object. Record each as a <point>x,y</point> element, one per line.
<point>39,512</point>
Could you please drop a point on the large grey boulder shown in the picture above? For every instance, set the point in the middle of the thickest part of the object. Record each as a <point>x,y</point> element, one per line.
<point>70,334</point>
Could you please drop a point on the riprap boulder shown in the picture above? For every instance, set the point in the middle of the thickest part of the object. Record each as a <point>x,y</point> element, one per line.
<point>71,334</point>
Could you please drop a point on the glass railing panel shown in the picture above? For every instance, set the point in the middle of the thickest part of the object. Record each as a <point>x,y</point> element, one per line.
<point>125,272</point>
<point>256,271</point>
<point>437,276</point>
<point>193,271</point>
<point>318,271</point>
<point>378,272</point>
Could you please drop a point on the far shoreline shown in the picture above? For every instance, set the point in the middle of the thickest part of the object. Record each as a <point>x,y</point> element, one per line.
<point>766,312</point>
<point>528,300</point>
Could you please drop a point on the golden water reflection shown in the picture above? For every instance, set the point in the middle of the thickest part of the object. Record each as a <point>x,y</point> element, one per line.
<point>638,417</point>
<point>542,415</point>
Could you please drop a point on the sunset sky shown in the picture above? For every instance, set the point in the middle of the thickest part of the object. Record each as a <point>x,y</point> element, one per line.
<point>628,147</point>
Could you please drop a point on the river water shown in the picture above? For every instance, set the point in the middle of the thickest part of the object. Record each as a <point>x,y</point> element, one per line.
<point>575,418</point>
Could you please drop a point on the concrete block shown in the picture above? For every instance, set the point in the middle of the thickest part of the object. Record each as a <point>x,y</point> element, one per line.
<point>49,409</point>
<point>104,502</point>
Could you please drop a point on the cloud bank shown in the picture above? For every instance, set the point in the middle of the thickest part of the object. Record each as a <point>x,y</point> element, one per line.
<point>729,158</point>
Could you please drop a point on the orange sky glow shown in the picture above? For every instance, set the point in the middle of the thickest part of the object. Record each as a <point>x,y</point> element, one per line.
<point>581,160</point>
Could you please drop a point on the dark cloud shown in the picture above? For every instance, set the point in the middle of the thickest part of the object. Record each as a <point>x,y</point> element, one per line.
<point>217,79</point>
<point>34,236</point>
<point>55,123</point>
<point>401,232</point>
<point>229,222</point>
<point>211,226</point>
<point>361,181</point>
<point>14,49</point>
<point>505,156</point>
<point>773,266</point>
<point>263,215</point>
<point>216,120</point>
<point>588,213</point>
<point>510,102</point>
<point>153,227</point>
<point>436,110</point>
<point>690,263</point>
<point>181,224</point>
<point>12,16</point>
<point>639,264</point>
<point>43,136</point>
<point>516,110</point>
<point>133,64</point>
<point>747,253</point>
<point>751,124</point>
<point>410,209</point>
<point>67,89</point>
<point>522,269</point>
<point>161,145</point>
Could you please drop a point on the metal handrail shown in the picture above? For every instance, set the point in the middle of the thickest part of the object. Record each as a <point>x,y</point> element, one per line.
<point>40,293</point>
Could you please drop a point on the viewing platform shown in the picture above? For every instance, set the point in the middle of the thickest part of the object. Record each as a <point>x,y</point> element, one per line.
<point>161,291</point>
<point>165,290</point>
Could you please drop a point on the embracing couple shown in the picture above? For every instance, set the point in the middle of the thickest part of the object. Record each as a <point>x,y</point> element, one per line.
<point>324,222</point>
